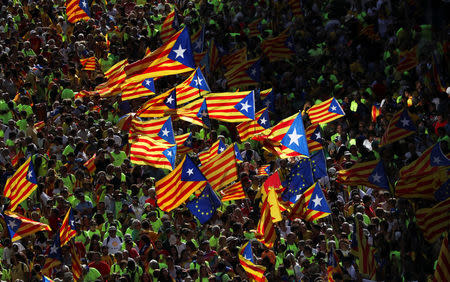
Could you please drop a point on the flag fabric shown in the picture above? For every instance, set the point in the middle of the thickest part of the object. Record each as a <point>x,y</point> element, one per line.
<point>21,184</point>
<point>325,112</point>
<point>427,177</point>
<point>254,271</point>
<point>318,165</point>
<point>90,164</point>
<point>155,128</point>
<point>147,151</point>
<point>46,279</point>
<point>442,271</point>
<point>407,60</point>
<point>221,170</point>
<point>203,114</point>
<point>15,160</point>
<point>177,186</point>
<point>237,153</point>
<point>138,89</point>
<point>333,265</point>
<point>198,41</point>
<point>20,227</point>
<point>296,8</point>
<point>434,221</point>
<point>124,122</point>
<point>376,111</point>
<point>436,76</point>
<point>116,69</point>
<point>312,205</point>
<point>116,77</point>
<point>67,230</point>
<point>247,129</point>
<point>77,269</point>
<point>314,138</point>
<point>39,125</point>
<point>244,74</point>
<point>160,105</point>
<point>264,170</point>
<point>271,186</point>
<point>89,64</point>
<point>214,56</point>
<point>279,48</point>
<point>254,28</point>
<point>265,230</point>
<point>216,148</point>
<point>233,192</point>
<point>77,10</point>
<point>174,57</point>
<point>184,143</point>
<point>371,174</point>
<point>169,26</point>
<point>299,179</point>
<point>369,32</point>
<point>54,257</point>
<point>205,205</point>
<point>234,59</point>
<point>364,252</point>
<point>400,126</point>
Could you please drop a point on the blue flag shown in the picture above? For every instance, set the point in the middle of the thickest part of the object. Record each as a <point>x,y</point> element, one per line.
<point>318,165</point>
<point>182,50</point>
<point>205,205</point>
<point>166,131</point>
<point>300,179</point>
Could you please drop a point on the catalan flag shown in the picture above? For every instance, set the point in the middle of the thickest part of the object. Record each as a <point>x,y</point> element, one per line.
<point>364,252</point>
<point>54,257</point>
<point>89,64</point>
<point>77,10</point>
<point>176,187</point>
<point>138,89</point>
<point>116,69</point>
<point>173,57</point>
<point>254,28</point>
<point>442,271</point>
<point>21,184</point>
<point>279,48</point>
<point>216,148</point>
<point>233,192</point>
<point>90,164</point>
<point>325,112</point>
<point>312,205</point>
<point>333,265</point>
<point>15,160</point>
<point>296,8</point>
<point>376,111</point>
<point>254,271</point>
<point>400,126</point>
<point>247,129</point>
<point>270,195</point>
<point>221,169</point>
<point>77,270</point>
<point>169,26</point>
<point>407,60</point>
<point>205,205</point>
<point>314,138</point>
<point>234,59</point>
<point>434,221</point>
<point>146,151</point>
<point>116,77</point>
<point>371,174</point>
<point>244,74</point>
<point>265,231</point>
<point>214,56</point>
<point>20,227</point>
<point>184,143</point>
<point>369,32</point>
<point>39,125</point>
<point>158,129</point>
<point>264,170</point>
<point>67,230</point>
<point>198,40</point>
<point>237,153</point>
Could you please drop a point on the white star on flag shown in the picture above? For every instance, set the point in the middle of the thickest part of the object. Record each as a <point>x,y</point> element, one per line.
<point>404,122</point>
<point>30,174</point>
<point>53,249</point>
<point>436,160</point>
<point>190,171</point>
<point>170,99</point>
<point>333,108</point>
<point>165,132</point>
<point>148,82</point>
<point>198,81</point>
<point>180,52</point>
<point>376,177</point>
<point>253,72</point>
<point>294,137</point>
<point>318,136</point>
<point>263,120</point>
<point>84,4</point>
<point>169,153</point>
<point>221,149</point>
<point>245,106</point>
<point>12,224</point>
<point>317,201</point>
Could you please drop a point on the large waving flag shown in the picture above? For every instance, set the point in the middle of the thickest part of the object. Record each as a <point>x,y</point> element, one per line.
<point>407,60</point>
<point>116,77</point>
<point>138,89</point>
<point>174,189</point>
<point>265,231</point>
<point>174,57</point>
<point>325,112</point>
<point>400,126</point>
<point>169,26</point>
<point>434,221</point>
<point>205,205</point>
<point>312,205</point>
<point>77,270</point>
<point>425,177</point>
<point>160,105</point>
<point>234,59</point>
<point>158,129</point>
<point>233,192</point>
<point>254,271</point>
<point>371,174</point>
<point>299,179</point>
<point>67,230</point>
<point>279,48</point>
<point>442,271</point>
<point>54,256</point>
<point>365,253</point>
<point>247,129</point>
<point>216,148</point>
<point>221,170</point>
<point>77,10</point>
<point>245,74</point>
<point>21,184</point>
<point>20,227</point>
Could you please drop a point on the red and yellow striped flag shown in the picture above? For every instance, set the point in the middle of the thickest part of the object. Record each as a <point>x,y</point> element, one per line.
<point>365,253</point>
<point>216,148</point>
<point>89,64</point>
<point>314,138</point>
<point>77,10</point>
<point>221,170</point>
<point>296,8</point>
<point>233,192</point>
<point>149,128</point>
<point>169,26</point>
<point>67,230</point>
<point>244,74</point>
<point>254,272</point>
<point>254,28</point>
<point>279,48</point>
<point>20,227</point>
<point>137,89</point>
<point>39,125</point>
<point>325,112</point>
<point>77,270</point>
<point>400,126</point>
<point>247,129</point>
<point>265,231</point>
<point>407,60</point>
<point>376,111</point>
<point>90,164</point>
<point>232,60</point>
<point>434,221</point>
<point>442,272</point>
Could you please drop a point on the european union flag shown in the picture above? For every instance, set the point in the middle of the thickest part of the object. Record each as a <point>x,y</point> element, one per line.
<point>318,165</point>
<point>300,179</point>
<point>205,205</point>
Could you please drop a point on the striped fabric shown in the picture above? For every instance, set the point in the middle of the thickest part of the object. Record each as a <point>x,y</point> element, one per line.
<point>149,128</point>
<point>265,231</point>
<point>364,252</point>
<point>67,230</point>
<point>300,209</point>
<point>325,112</point>
<point>216,148</point>
<point>296,8</point>
<point>234,59</point>
<point>233,192</point>
<point>247,129</point>
<point>89,64</point>
<point>214,56</point>
<point>376,111</point>
<point>77,270</point>
<point>147,151</point>
<point>221,170</point>
<point>90,164</point>
<point>254,28</point>
<point>434,221</point>
<point>239,77</point>
<point>20,227</point>
<point>442,272</point>
<point>312,135</point>
<point>278,48</point>
<point>137,89</point>
<point>400,126</point>
<point>77,10</point>
<point>168,27</point>
<point>254,272</point>
<point>358,174</point>
<point>407,60</point>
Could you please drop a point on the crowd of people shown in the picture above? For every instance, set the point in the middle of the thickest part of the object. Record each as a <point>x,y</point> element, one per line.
<point>122,235</point>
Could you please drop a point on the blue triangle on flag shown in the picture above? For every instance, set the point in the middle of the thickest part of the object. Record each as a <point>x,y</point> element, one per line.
<point>149,83</point>
<point>55,248</point>
<point>199,81</point>
<point>247,252</point>
<point>170,154</point>
<point>171,99</point>
<point>190,172</point>
<point>405,122</point>
<point>166,131</point>
<point>203,114</point>
<point>378,176</point>
<point>221,147</point>
<point>290,43</point>
<point>175,22</point>
<point>182,51</point>
<point>295,137</point>
<point>31,175</point>
<point>318,201</point>
<point>335,107</point>
<point>13,224</point>
<point>188,141</point>
<point>237,153</point>
<point>84,5</point>
<point>254,71</point>
<point>316,135</point>
<point>264,120</point>
<point>437,157</point>
<point>247,105</point>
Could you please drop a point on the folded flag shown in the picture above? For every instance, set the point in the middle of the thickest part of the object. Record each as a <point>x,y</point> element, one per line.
<point>203,114</point>
<point>198,40</point>
<point>216,148</point>
<point>400,126</point>
<point>434,221</point>
<point>205,205</point>
<point>233,192</point>
<point>234,59</point>
<point>221,170</point>
<point>271,186</point>
<point>237,153</point>
<point>177,186</point>
<point>39,125</point>
<point>265,230</point>
<point>314,138</point>
<point>254,28</point>
<point>77,269</point>
<point>254,271</point>
<point>363,251</point>
<point>147,151</point>
<point>77,10</point>
<point>21,184</point>
<point>325,112</point>
<point>54,256</point>
<point>442,271</point>
<point>15,160</point>
<point>20,227</point>
<point>90,164</point>
<point>247,129</point>
<point>67,230</point>
<point>169,26</point>
<point>371,174</point>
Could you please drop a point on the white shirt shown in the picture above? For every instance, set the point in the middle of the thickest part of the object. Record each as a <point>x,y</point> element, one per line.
<point>114,244</point>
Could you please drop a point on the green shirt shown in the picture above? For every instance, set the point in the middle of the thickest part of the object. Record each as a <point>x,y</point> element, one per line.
<point>119,158</point>
<point>92,275</point>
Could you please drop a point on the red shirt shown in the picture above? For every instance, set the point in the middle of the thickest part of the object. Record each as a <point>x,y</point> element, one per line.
<point>101,266</point>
